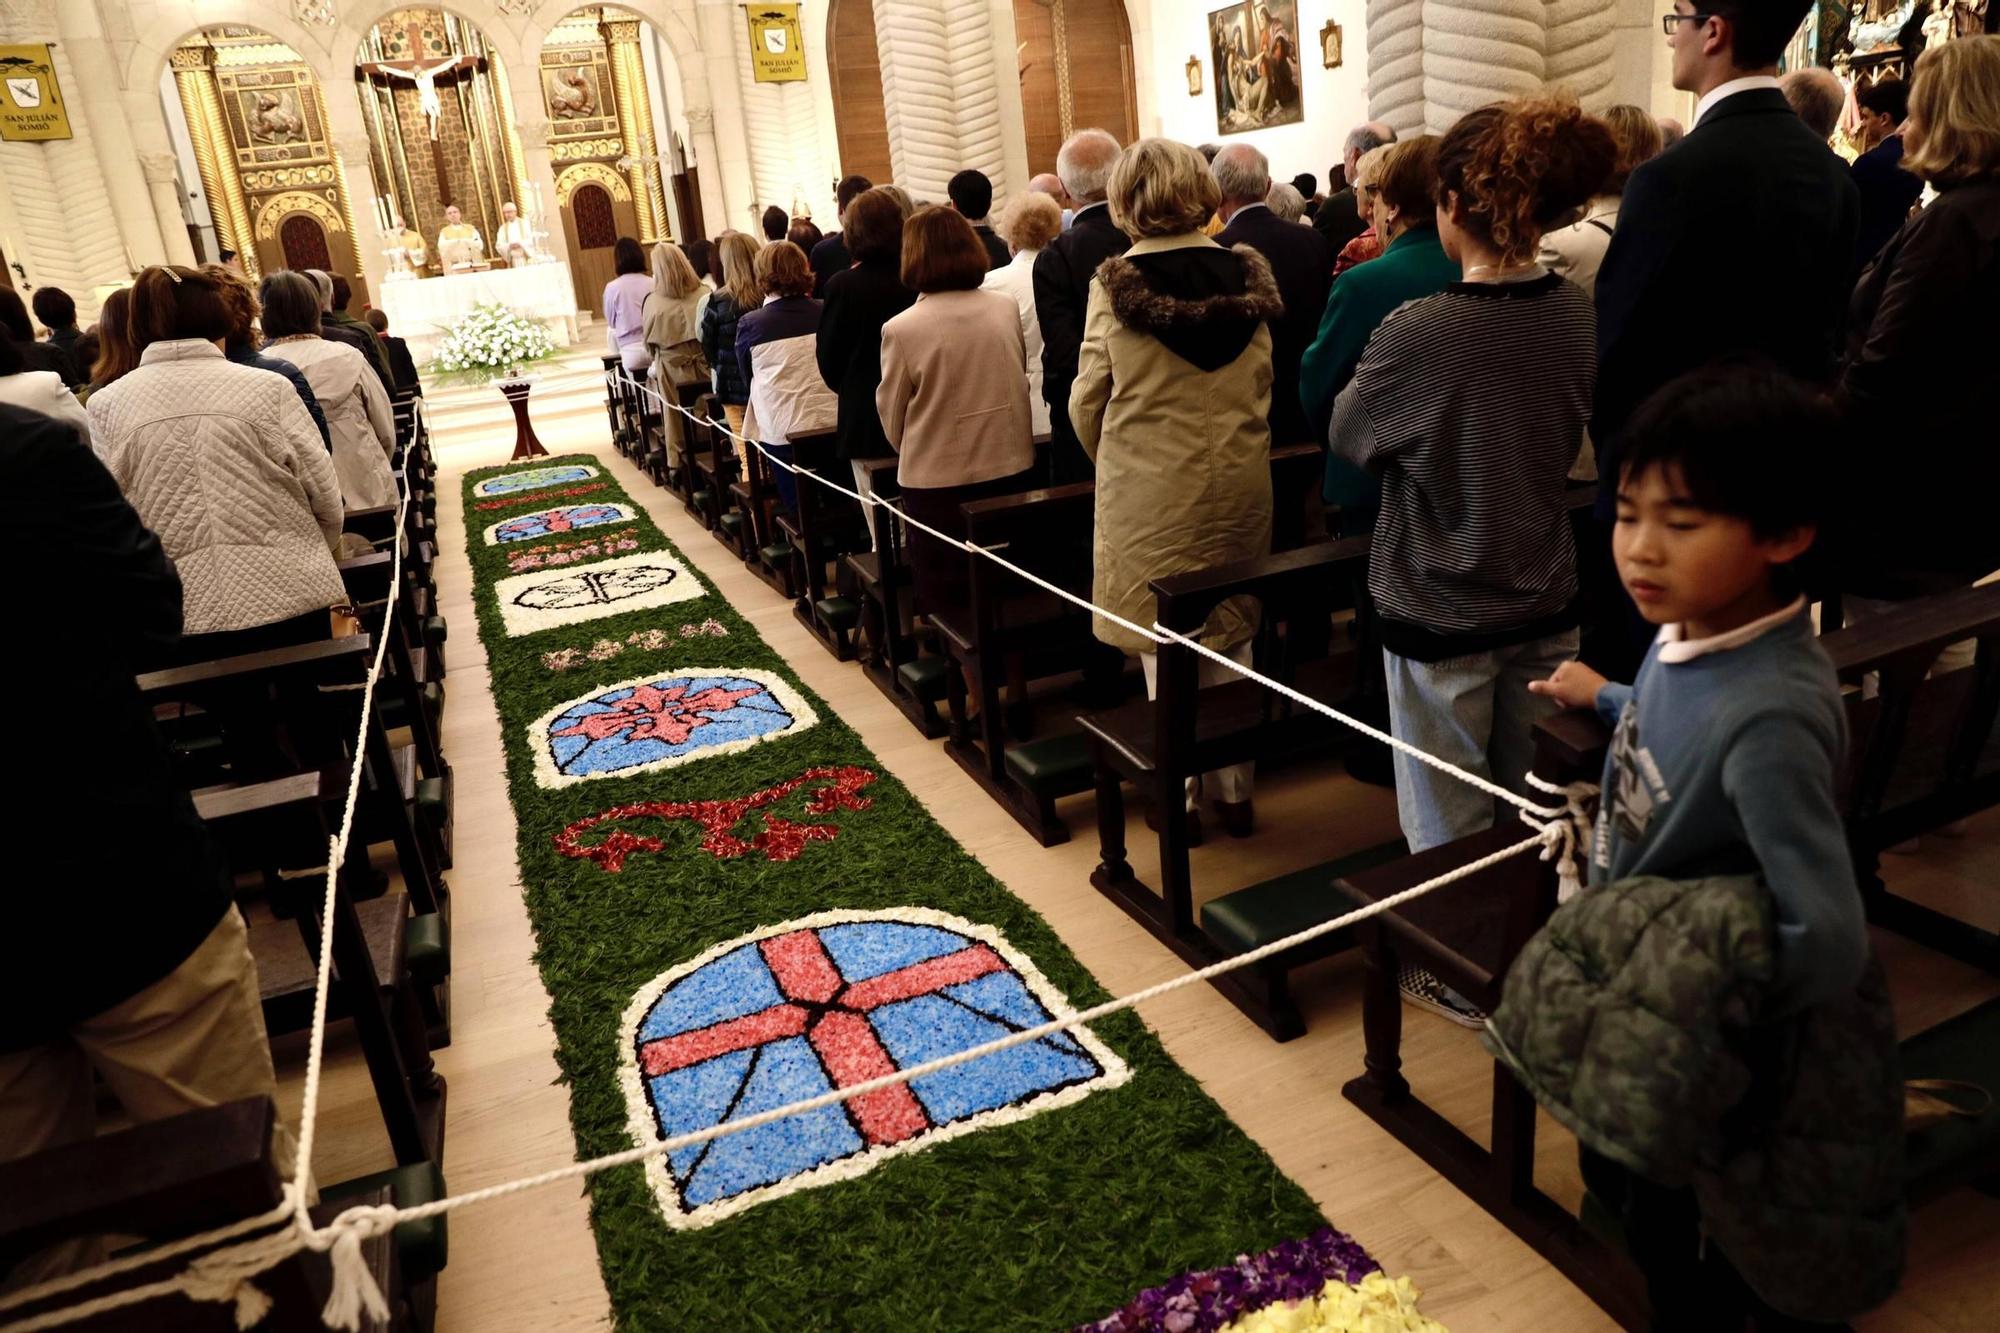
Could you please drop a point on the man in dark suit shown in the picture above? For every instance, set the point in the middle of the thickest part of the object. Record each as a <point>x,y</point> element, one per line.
<point>57,311</point>
<point>971,193</point>
<point>831,255</point>
<point>1339,220</point>
<point>335,325</point>
<point>1887,191</point>
<point>402,366</point>
<point>1299,261</point>
<point>1063,272</point>
<point>37,354</point>
<point>1738,241</point>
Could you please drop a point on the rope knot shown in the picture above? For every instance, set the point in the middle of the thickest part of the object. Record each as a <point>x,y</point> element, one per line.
<point>354,1287</point>
<point>1565,829</point>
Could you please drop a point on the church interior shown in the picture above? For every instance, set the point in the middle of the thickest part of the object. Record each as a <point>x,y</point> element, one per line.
<point>766,768</point>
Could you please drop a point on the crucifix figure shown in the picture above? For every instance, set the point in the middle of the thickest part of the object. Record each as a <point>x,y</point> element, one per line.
<point>424,74</point>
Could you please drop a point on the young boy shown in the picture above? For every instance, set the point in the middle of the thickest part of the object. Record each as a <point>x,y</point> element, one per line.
<point>1729,742</point>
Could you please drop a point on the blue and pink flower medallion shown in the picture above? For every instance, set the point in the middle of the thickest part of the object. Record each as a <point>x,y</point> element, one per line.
<point>811,1006</point>
<point>662,721</point>
<point>534,479</point>
<point>549,522</point>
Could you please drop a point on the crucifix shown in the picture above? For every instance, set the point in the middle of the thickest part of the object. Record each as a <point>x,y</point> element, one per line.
<point>426,75</point>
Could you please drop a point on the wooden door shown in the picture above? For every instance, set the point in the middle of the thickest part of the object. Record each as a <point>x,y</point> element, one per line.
<point>303,243</point>
<point>593,230</point>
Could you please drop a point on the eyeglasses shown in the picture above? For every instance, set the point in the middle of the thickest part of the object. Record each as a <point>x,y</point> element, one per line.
<point>1667,21</point>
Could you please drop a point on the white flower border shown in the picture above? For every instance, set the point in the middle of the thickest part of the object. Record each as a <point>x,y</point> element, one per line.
<point>624,511</point>
<point>644,1128</point>
<point>546,774</point>
<point>519,620</point>
<point>479,488</point>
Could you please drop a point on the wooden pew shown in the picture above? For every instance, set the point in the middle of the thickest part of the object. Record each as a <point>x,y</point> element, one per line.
<point>1920,756</point>
<point>1185,731</point>
<point>880,580</point>
<point>1018,633</point>
<point>823,528</point>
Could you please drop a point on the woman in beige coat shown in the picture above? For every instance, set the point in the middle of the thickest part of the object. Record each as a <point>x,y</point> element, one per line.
<point>1172,389</point>
<point>670,322</point>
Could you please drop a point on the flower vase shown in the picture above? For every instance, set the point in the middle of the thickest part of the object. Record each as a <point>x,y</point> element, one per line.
<point>525,443</point>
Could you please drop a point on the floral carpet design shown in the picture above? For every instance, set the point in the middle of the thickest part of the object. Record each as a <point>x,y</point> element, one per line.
<point>534,479</point>
<point>735,906</point>
<point>828,1002</point>
<point>544,599</point>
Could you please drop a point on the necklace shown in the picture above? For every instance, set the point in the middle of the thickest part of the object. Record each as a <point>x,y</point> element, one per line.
<point>290,338</point>
<point>1501,272</point>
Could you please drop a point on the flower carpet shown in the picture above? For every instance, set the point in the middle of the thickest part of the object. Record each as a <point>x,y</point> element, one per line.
<point>735,908</point>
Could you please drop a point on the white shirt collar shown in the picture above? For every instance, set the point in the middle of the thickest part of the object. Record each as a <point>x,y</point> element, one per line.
<point>1675,646</point>
<point>1747,83</point>
<point>1247,207</point>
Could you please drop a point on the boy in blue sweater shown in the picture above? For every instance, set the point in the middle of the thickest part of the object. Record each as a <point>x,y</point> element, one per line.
<point>1729,743</point>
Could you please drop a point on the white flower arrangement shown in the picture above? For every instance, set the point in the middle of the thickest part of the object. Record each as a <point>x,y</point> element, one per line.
<point>491,343</point>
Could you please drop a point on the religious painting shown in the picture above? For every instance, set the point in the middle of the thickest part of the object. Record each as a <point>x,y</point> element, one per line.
<point>572,92</point>
<point>271,115</point>
<point>811,1006</point>
<point>1255,55</point>
<point>1329,45</point>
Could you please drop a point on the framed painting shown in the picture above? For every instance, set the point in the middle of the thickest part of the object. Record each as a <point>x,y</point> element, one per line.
<point>1255,56</point>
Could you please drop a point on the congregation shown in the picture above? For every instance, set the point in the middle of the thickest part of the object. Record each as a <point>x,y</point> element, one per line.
<point>1464,334</point>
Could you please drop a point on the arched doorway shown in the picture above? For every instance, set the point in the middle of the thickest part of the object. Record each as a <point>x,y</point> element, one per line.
<point>596,206</point>
<point>253,120</point>
<point>1075,68</point>
<point>303,243</point>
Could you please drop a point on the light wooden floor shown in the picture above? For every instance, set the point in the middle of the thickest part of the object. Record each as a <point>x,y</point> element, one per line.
<point>528,1262</point>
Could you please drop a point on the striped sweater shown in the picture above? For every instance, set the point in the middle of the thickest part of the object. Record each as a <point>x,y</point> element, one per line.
<point>1470,406</point>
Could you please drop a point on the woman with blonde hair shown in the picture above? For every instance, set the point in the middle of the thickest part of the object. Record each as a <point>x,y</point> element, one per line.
<point>671,324</point>
<point>1027,224</point>
<point>1911,372</point>
<point>116,354</point>
<point>1172,400</point>
<point>736,256</point>
<point>1577,251</point>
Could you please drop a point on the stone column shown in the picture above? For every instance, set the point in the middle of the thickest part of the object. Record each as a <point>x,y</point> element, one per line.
<point>214,153</point>
<point>352,181</point>
<point>635,127</point>
<point>164,184</point>
<point>722,31</point>
<point>940,91</point>
<point>708,166</point>
<point>111,136</point>
<point>538,171</point>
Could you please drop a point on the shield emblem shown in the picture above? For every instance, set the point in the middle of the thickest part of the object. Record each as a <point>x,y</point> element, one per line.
<point>27,93</point>
<point>775,41</point>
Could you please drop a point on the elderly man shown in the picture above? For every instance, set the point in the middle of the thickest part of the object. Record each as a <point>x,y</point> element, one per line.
<point>1062,286</point>
<point>336,325</point>
<point>515,241</point>
<point>1339,219</point>
<point>1817,95</point>
<point>1299,261</point>
<point>1050,184</point>
<point>458,244</point>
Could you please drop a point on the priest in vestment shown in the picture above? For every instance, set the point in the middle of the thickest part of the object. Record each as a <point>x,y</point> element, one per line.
<point>515,241</point>
<point>459,246</point>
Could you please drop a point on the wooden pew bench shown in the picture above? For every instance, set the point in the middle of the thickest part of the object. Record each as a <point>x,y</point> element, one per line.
<point>879,581</point>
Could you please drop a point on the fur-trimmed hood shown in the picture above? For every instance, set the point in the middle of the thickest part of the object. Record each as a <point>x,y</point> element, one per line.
<point>1203,302</point>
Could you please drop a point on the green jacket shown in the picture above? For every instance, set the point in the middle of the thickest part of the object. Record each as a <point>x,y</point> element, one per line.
<point>376,352</point>
<point>1413,267</point>
<point>1633,1018</point>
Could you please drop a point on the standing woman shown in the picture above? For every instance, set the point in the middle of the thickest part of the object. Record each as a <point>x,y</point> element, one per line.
<point>1473,570</point>
<point>736,255</point>
<point>775,346</point>
<point>1172,400</point>
<point>625,304</point>
<point>358,414</point>
<point>1577,251</point>
<point>242,344</point>
<point>224,465</point>
<point>672,326</point>
<point>953,399</point>
<point>1910,372</point>
<point>859,301</point>
<point>116,356</point>
<point>1027,225</point>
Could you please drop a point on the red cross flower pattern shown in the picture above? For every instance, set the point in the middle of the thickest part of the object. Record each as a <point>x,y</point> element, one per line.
<point>650,713</point>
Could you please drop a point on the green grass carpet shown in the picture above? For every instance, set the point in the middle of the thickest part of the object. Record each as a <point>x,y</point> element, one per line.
<point>1039,1224</point>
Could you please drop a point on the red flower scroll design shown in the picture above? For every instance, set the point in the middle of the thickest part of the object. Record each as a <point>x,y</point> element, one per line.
<point>780,840</point>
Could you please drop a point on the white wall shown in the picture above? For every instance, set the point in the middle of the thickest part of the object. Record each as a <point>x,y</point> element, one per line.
<point>1166,32</point>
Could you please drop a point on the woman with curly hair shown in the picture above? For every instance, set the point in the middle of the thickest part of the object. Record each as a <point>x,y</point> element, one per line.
<point>1473,569</point>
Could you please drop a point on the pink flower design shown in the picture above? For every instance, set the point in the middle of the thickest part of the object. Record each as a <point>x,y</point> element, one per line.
<point>650,713</point>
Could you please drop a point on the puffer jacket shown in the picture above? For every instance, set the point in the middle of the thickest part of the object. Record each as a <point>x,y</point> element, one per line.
<point>718,343</point>
<point>776,353</point>
<point>1633,1017</point>
<point>1171,399</point>
<point>224,465</point>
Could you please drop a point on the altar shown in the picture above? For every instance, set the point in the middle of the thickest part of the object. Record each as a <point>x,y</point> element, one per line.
<point>422,309</point>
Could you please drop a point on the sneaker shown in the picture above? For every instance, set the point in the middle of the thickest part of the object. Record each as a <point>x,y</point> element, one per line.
<point>1425,991</point>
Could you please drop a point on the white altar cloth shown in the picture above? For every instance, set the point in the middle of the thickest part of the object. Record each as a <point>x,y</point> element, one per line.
<point>421,309</point>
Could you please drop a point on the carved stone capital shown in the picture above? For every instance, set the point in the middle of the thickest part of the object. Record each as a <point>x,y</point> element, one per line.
<point>159,168</point>
<point>700,119</point>
<point>353,148</point>
<point>191,59</point>
<point>623,31</point>
<point>533,133</point>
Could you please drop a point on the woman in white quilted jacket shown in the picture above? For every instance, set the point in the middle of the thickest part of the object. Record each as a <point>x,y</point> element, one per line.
<point>359,419</point>
<point>226,467</point>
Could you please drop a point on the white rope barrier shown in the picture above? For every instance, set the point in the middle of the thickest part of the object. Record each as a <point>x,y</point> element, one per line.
<point>223,1274</point>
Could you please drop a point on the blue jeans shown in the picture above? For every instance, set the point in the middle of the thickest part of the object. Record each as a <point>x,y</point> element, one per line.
<point>1474,712</point>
